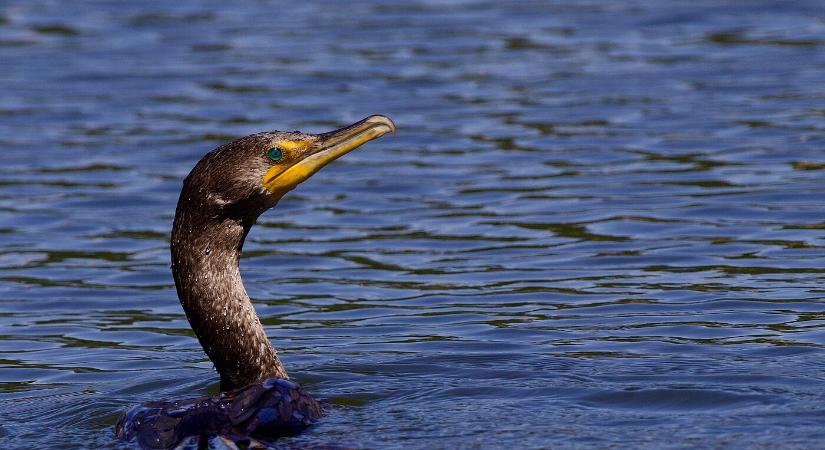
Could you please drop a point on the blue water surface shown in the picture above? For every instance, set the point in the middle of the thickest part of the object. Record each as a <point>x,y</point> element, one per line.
<point>601,224</point>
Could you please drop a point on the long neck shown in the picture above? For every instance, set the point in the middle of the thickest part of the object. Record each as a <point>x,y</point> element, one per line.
<point>205,264</point>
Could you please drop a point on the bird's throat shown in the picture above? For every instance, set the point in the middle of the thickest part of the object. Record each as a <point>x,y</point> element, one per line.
<point>205,265</point>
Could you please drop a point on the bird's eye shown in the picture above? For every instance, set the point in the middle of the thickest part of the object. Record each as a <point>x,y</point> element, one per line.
<point>275,154</point>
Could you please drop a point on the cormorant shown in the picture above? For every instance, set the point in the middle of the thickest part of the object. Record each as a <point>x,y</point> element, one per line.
<point>220,201</point>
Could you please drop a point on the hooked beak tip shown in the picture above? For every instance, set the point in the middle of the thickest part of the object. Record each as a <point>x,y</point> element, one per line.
<point>380,119</point>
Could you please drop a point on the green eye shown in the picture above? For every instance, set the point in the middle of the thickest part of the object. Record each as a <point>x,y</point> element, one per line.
<point>275,154</point>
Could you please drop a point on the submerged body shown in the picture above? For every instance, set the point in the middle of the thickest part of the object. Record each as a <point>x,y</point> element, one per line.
<point>273,408</point>
<point>220,201</point>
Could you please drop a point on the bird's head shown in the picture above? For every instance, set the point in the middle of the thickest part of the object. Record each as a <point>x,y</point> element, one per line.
<point>248,176</point>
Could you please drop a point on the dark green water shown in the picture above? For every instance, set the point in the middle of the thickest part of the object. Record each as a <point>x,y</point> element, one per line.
<point>601,224</point>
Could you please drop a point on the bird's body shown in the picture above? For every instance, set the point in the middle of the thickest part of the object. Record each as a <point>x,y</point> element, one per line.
<point>273,408</point>
<point>220,201</point>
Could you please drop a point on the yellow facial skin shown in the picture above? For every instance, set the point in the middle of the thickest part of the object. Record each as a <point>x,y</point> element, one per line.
<point>294,151</point>
<point>293,145</point>
<point>303,158</point>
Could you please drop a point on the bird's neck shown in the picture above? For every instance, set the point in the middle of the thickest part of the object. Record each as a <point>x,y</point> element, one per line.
<point>205,264</point>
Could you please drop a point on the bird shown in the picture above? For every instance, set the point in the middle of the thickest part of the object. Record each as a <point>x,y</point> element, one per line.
<point>220,201</point>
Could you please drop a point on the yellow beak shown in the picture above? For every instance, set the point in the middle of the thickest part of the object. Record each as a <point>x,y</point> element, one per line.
<point>329,147</point>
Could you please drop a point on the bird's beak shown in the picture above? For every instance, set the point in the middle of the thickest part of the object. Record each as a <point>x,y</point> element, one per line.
<point>327,148</point>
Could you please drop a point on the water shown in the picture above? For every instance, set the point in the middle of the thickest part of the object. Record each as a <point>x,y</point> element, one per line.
<point>601,224</point>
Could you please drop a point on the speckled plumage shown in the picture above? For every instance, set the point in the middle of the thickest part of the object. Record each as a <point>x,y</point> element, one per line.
<point>220,201</point>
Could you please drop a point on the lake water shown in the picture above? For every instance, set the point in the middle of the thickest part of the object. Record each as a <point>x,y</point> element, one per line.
<point>601,224</point>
